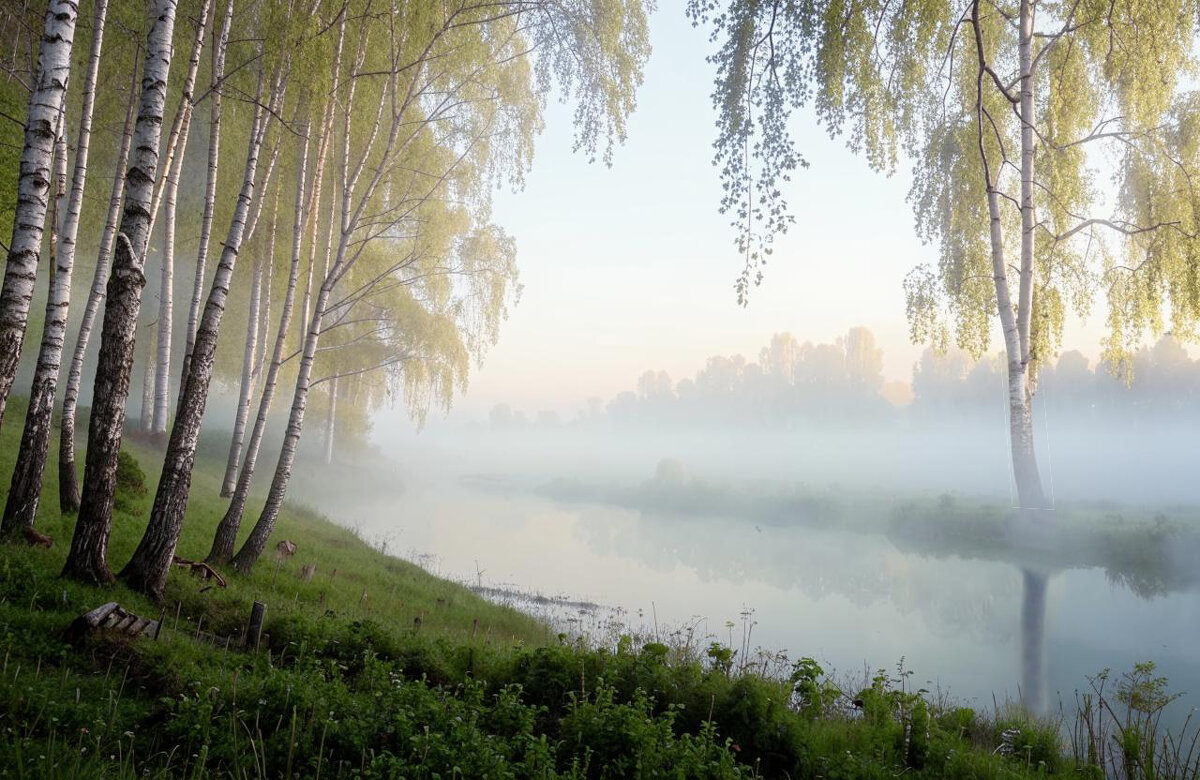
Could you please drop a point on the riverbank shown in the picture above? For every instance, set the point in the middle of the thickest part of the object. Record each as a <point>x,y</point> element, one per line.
<point>373,667</point>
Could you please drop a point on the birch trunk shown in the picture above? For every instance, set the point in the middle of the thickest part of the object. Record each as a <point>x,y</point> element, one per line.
<point>87,560</point>
<point>16,510</point>
<point>26,488</point>
<point>255,349</point>
<point>243,408</point>
<point>322,152</point>
<point>46,105</point>
<point>226,534</point>
<point>1020,427</point>
<point>147,569</point>
<point>68,483</point>
<point>166,290</point>
<point>147,408</point>
<point>1020,379</point>
<point>330,426</point>
<point>264,307</point>
<point>1014,321</point>
<point>254,545</point>
<point>1028,150</point>
<point>351,214</point>
<point>210,189</point>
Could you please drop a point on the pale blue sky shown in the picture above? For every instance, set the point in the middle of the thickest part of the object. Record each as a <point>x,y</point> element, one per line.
<point>632,267</point>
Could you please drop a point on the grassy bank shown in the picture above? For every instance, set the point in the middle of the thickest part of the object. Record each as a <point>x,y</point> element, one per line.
<point>350,683</point>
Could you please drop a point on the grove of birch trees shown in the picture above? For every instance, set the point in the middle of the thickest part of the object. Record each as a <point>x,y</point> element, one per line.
<point>319,170</point>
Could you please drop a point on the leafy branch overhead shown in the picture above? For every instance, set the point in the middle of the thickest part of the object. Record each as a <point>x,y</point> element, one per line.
<point>376,130</point>
<point>1012,115</point>
<point>938,85</point>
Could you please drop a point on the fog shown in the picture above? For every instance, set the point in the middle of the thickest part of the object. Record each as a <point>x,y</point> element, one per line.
<point>824,520</point>
<point>825,421</point>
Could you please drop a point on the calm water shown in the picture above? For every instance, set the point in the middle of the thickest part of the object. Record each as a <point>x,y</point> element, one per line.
<point>849,600</point>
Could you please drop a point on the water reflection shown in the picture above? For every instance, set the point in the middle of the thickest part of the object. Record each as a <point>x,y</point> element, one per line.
<point>1033,640</point>
<point>975,626</point>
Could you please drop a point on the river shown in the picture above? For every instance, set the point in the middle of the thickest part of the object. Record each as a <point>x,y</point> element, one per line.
<point>980,631</point>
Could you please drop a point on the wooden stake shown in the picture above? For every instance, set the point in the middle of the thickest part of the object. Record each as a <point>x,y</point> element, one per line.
<point>258,613</point>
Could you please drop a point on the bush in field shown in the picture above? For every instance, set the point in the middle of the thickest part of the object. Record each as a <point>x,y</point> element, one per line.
<point>131,482</point>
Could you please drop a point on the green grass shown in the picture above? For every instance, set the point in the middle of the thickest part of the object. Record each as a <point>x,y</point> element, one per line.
<point>351,577</point>
<point>350,687</point>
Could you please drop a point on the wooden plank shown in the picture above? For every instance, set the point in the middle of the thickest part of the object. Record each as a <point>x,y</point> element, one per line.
<point>92,620</point>
<point>99,614</point>
<point>112,617</point>
<point>128,620</point>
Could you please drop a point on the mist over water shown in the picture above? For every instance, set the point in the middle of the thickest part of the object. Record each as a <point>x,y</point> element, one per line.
<point>863,540</point>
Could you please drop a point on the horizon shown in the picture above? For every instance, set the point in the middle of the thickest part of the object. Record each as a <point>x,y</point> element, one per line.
<point>588,235</point>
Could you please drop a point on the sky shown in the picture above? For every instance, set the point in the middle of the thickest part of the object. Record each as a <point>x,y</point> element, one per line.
<point>632,267</point>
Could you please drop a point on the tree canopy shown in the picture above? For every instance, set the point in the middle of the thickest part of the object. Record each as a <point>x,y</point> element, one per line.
<point>939,85</point>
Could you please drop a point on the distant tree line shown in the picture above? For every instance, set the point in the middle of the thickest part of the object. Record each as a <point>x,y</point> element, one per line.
<point>793,383</point>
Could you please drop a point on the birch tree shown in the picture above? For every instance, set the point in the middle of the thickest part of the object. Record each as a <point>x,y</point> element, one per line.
<point>331,419</point>
<point>87,560</point>
<point>147,570</point>
<point>46,105</point>
<point>1004,109</point>
<point>594,47</point>
<point>25,490</point>
<point>250,356</point>
<point>226,533</point>
<point>220,47</point>
<point>166,290</point>
<point>68,482</point>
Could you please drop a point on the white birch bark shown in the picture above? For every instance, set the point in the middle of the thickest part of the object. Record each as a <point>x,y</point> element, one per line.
<point>87,560</point>
<point>264,325</point>
<point>1028,150</point>
<point>46,105</point>
<point>243,406</point>
<point>68,484</point>
<point>147,409</point>
<point>227,529</point>
<point>147,569</point>
<point>1014,322</point>
<point>210,189</point>
<point>166,290</point>
<point>351,214</point>
<point>1020,384</point>
<point>256,542</point>
<point>256,337</point>
<point>26,487</point>
<point>331,424</point>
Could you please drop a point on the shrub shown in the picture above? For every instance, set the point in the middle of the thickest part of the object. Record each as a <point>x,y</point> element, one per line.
<point>131,482</point>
